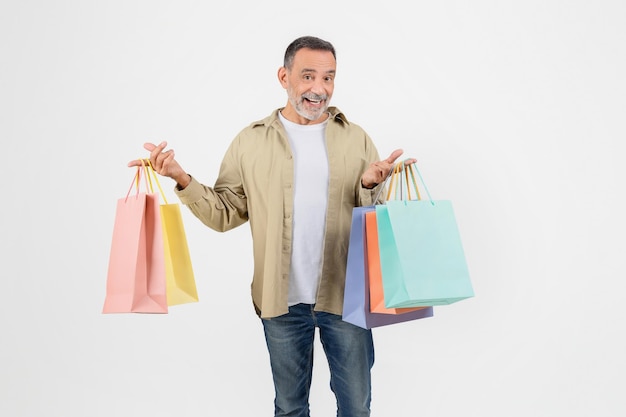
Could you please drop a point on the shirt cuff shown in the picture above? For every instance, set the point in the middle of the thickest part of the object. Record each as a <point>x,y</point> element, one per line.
<point>193,192</point>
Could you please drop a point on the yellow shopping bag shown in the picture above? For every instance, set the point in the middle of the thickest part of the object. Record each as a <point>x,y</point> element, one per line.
<point>179,276</point>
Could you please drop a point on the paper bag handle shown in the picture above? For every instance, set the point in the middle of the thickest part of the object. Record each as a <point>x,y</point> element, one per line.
<point>149,173</point>
<point>413,166</point>
<point>153,174</point>
<point>405,176</point>
<point>137,181</point>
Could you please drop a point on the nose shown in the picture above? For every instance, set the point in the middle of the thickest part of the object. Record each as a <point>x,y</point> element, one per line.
<point>318,87</point>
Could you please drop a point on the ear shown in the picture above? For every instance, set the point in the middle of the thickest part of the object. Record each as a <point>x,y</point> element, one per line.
<point>282,76</point>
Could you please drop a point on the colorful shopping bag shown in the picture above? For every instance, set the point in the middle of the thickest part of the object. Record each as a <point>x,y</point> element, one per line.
<point>180,279</point>
<point>179,276</point>
<point>422,257</point>
<point>136,273</point>
<point>356,302</point>
<point>374,272</point>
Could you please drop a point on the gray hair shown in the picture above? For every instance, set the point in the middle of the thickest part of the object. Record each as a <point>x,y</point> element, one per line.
<point>310,42</point>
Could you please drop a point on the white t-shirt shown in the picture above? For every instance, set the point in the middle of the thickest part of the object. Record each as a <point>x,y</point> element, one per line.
<point>308,146</point>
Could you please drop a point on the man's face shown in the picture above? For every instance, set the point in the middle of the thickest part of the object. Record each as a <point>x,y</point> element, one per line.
<point>309,84</point>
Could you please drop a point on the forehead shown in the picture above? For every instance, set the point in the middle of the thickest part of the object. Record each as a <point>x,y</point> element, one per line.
<point>314,60</point>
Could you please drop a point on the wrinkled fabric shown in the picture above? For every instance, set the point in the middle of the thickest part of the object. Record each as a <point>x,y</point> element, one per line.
<point>255,185</point>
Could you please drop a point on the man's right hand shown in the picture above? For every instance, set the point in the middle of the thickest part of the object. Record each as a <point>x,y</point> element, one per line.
<point>164,163</point>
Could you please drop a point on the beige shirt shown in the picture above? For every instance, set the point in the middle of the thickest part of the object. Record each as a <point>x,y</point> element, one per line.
<point>255,184</point>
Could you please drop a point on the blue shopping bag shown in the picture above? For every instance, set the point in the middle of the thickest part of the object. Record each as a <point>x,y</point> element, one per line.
<point>421,254</point>
<point>356,302</point>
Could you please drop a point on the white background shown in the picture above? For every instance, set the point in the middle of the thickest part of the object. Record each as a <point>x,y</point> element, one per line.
<point>513,109</point>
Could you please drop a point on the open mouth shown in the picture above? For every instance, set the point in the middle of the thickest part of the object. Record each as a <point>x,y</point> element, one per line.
<point>314,99</point>
<point>315,102</point>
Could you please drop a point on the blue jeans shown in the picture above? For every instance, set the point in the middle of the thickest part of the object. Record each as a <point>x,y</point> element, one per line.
<point>349,350</point>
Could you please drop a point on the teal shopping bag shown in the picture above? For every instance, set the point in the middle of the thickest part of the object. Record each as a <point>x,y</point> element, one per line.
<point>421,253</point>
<point>356,301</point>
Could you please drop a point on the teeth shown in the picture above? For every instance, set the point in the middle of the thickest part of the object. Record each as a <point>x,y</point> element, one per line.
<point>313,101</point>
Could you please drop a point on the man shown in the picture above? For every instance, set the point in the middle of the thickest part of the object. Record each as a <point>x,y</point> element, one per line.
<point>296,176</point>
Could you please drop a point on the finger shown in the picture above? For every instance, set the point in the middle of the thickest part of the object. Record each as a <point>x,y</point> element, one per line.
<point>165,155</point>
<point>394,155</point>
<point>135,163</point>
<point>169,156</point>
<point>165,158</point>
<point>155,154</point>
<point>159,148</point>
<point>149,146</point>
<point>154,149</point>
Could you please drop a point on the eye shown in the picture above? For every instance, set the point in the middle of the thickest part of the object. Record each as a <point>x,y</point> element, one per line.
<point>307,77</point>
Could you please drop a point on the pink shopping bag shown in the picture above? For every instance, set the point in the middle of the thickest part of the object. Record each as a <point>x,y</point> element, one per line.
<point>136,275</point>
